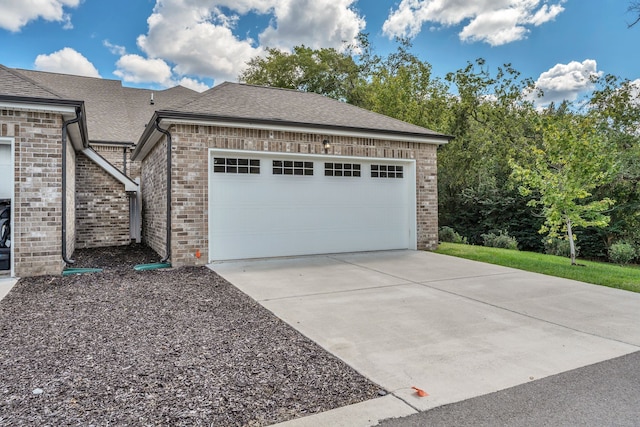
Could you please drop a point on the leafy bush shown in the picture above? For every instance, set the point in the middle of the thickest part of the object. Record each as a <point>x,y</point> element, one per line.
<point>501,240</point>
<point>448,234</point>
<point>559,247</point>
<point>622,253</point>
<point>491,207</point>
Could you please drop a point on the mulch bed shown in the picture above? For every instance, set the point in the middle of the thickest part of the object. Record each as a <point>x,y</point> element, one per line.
<point>163,347</point>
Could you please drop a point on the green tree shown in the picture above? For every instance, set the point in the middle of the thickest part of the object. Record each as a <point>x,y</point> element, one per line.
<point>572,159</point>
<point>325,71</point>
<point>634,8</point>
<point>616,105</point>
<point>402,86</point>
<point>492,120</point>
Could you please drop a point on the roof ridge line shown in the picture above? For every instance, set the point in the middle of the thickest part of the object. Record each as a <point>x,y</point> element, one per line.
<point>328,97</point>
<point>287,89</point>
<point>68,74</point>
<point>16,72</point>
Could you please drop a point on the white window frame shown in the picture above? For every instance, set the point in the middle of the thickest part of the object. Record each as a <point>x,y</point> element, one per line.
<point>11,143</point>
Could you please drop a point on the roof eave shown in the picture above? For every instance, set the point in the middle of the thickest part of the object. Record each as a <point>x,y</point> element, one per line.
<point>68,109</point>
<point>146,142</point>
<point>174,117</point>
<point>126,144</point>
<point>45,104</point>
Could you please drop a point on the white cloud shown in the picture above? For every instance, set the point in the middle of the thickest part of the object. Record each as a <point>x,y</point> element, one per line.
<point>136,69</point>
<point>18,13</point>
<point>567,81</point>
<point>193,84</point>
<point>495,22</point>
<point>635,93</point>
<point>114,48</point>
<point>66,61</point>
<point>196,45</point>
<point>545,14</point>
<point>496,28</point>
<point>196,36</point>
<point>313,23</point>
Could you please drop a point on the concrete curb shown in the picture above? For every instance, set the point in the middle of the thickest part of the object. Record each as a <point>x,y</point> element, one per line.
<point>6,284</point>
<point>363,414</point>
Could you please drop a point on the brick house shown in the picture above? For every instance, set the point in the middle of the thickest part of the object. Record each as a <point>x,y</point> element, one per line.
<point>68,141</point>
<point>238,171</point>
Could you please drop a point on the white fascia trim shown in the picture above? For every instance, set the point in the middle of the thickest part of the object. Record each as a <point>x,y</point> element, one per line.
<point>38,107</point>
<point>10,140</point>
<point>302,129</point>
<point>129,185</point>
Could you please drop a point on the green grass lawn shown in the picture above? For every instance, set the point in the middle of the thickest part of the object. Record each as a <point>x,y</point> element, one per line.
<point>598,273</point>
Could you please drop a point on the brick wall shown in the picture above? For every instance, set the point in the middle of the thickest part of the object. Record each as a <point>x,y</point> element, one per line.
<point>37,207</point>
<point>102,215</point>
<point>115,154</point>
<point>71,200</point>
<point>189,202</point>
<point>154,202</point>
<point>427,196</point>
<point>190,177</point>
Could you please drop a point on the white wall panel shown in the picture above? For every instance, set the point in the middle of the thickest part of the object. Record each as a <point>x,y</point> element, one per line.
<point>267,215</point>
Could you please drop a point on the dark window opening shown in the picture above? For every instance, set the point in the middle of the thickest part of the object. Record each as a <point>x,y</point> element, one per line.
<point>234,165</point>
<point>290,167</point>
<point>387,171</point>
<point>342,169</point>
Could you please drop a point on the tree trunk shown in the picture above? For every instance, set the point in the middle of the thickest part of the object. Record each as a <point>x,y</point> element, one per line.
<point>572,246</point>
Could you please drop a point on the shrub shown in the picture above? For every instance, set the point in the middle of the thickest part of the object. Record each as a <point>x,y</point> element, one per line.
<point>622,253</point>
<point>448,234</point>
<point>501,240</point>
<point>559,247</point>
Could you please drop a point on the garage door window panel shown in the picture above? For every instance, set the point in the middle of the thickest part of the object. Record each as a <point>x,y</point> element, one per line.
<point>342,169</point>
<point>291,167</point>
<point>236,165</point>
<point>387,171</point>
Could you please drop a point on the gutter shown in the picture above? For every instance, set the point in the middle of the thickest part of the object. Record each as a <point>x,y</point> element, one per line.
<point>65,257</point>
<point>168,191</point>
<point>47,102</point>
<point>179,116</point>
<point>85,143</point>
<point>83,126</point>
<point>276,124</point>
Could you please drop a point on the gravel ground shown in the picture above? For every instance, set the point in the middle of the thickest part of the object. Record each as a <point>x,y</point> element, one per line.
<point>163,347</point>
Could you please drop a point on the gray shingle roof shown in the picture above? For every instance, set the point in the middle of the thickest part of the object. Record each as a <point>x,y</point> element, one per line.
<point>119,114</point>
<point>13,83</point>
<point>114,113</point>
<point>242,101</point>
<point>140,109</point>
<point>106,114</point>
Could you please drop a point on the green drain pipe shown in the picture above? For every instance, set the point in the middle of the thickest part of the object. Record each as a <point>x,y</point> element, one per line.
<point>139,267</point>
<point>154,266</point>
<point>70,271</point>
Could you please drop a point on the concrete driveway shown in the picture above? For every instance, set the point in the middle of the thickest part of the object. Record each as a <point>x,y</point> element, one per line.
<point>6,284</point>
<point>452,327</point>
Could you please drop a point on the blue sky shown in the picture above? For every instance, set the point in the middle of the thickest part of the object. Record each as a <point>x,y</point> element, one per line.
<point>199,43</point>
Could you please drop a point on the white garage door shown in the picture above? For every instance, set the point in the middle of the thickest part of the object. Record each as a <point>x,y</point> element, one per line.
<point>269,205</point>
